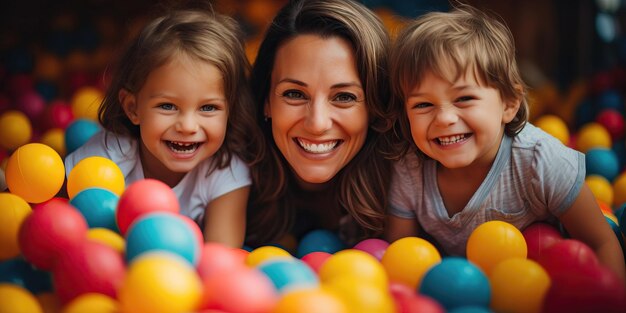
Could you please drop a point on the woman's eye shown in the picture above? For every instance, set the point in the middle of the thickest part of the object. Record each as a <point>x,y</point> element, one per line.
<point>208,108</point>
<point>345,97</point>
<point>167,106</point>
<point>293,94</point>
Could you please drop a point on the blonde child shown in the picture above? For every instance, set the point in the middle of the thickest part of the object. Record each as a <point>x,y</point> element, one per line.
<point>474,157</point>
<point>179,110</point>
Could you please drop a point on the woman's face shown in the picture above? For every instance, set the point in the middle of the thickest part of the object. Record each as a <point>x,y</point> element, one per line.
<point>317,106</point>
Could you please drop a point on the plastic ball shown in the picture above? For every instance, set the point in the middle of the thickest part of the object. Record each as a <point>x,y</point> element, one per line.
<point>92,303</point>
<point>85,103</point>
<point>13,212</point>
<point>48,66</point>
<point>554,126</point>
<point>610,99</point>
<point>162,231</point>
<point>493,242</point>
<point>47,89</point>
<point>160,282</point>
<point>50,229</point>
<point>568,255</point>
<point>613,121</point>
<point>18,271</point>
<point>95,172</point>
<point>315,259</point>
<point>409,301</point>
<point>374,246</point>
<point>142,197</point>
<point>107,237</point>
<point>215,258</point>
<point>354,263</point>
<point>78,132</point>
<point>289,274</point>
<point>456,282</point>
<point>242,290</point>
<point>319,240</point>
<point>35,172</point>
<point>15,130</point>
<point>619,190</point>
<point>603,162</point>
<point>360,296</point>
<point>58,114</point>
<point>55,139</point>
<point>518,285</point>
<point>592,135</point>
<point>311,300</point>
<point>86,268</point>
<point>32,104</point>
<point>15,299</point>
<point>540,236</point>
<point>265,253</point>
<point>600,187</point>
<point>98,206</point>
<point>406,260</point>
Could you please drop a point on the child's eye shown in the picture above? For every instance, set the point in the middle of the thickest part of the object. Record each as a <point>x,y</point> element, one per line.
<point>465,98</point>
<point>167,106</point>
<point>208,108</point>
<point>345,97</point>
<point>421,105</point>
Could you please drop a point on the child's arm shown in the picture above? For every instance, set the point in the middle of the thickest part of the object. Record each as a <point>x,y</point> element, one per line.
<point>584,221</point>
<point>398,227</point>
<point>225,218</point>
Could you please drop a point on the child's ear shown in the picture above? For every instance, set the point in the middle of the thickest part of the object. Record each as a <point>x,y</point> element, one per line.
<point>512,106</point>
<point>129,104</point>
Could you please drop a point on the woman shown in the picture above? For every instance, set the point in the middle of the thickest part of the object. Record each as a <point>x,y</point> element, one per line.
<point>321,88</point>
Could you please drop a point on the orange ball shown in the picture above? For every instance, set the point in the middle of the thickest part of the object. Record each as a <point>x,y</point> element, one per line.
<point>15,129</point>
<point>406,260</point>
<point>35,172</point>
<point>13,211</point>
<point>493,242</point>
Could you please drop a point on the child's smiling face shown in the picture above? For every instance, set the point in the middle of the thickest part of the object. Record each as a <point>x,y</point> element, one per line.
<point>457,123</point>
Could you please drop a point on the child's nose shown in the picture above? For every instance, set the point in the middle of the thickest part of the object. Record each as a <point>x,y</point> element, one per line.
<point>318,117</point>
<point>446,116</point>
<point>187,123</point>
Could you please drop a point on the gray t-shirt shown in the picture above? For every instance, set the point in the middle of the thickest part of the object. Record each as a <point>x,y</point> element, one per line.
<point>533,178</point>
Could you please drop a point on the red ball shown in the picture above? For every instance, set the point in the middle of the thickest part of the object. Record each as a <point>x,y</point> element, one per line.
<point>595,289</point>
<point>32,104</point>
<point>409,301</point>
<point>58,114</point>
<point>19,84</point>
<point>88,267</point>
<point>315,259</point>
<point>243,290</point>
<point>51,228</point>
<point>613,121</point>
<point>567,255</point>
<point>144,196</point>
<point>540,236</point>
<point>217,258</point>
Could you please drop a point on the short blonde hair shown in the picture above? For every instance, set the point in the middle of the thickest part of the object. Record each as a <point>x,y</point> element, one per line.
<point>449,44</point>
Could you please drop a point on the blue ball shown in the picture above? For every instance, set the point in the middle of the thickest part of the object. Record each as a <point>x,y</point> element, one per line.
<point>610,99</point>
<point>455,283</point>
<point>319,240</point>
<point>603,162</point>
<point>162,231</point>
<point>78,133</point>
<point>98,206</point>
<point>47,89</point>
<point>619,148</point>
<point>471,309</point>
<point>287,274</point>
<point>584,113</point>
<point>19,272</point>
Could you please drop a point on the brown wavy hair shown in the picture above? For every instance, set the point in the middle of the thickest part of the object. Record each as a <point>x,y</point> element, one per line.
<point>360,188</point>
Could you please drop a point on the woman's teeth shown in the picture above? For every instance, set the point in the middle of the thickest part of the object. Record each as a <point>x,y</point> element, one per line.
<point>318,148</point>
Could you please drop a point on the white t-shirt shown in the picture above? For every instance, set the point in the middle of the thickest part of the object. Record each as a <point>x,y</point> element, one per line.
<point>533,178</point>
<point>194,191</point>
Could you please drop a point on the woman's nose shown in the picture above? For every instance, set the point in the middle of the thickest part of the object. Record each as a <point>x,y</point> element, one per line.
<point>318,119</point>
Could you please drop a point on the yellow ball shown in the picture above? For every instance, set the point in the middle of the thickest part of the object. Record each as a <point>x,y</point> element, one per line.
<point>619,190</point>
<point>310,301</point>
<point>13,211</point>
<point>93,172</point>
<point>518,285</point>
<point>493,242</point>
<point>354,263</point>
<point>55,139</point>
<point>554,126</point>
<point>262,254</point>
<point>15,299</point>
<point>15,130</point>
<point>600,187</point>
<point>593,135</point>
<point>160,282</point>
<point>35,172</point>
<point>85,103</point>
<point>360,296</point>
<point>406,260</point>
<point>92,303</point>
<point>107,237</point>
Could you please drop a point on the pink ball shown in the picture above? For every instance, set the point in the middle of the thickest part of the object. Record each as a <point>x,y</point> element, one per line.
<point>216,258</point>
<point>242,290</point>
<point>315,259</point>
<point>375,247</point>
<point>409,301</point>
<point>144,196</point>
<point>58,114</point>
<point>51,228</point>
<point>567,255</point>
<point>88,267</point>
<point>32,104</point>
<point>540,236</point>
<point>613,121</point>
